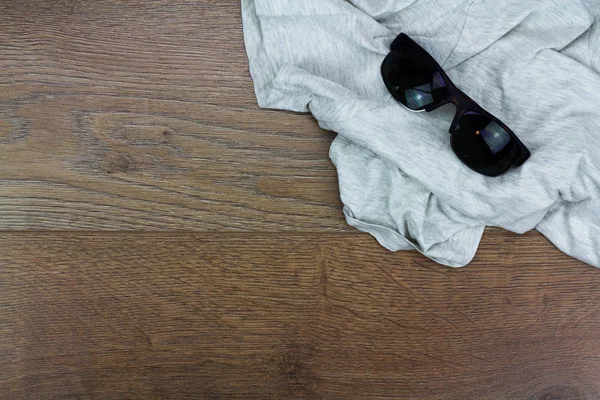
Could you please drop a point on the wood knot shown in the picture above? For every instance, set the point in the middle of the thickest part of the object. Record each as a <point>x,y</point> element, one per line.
<point>292,372</point>
<point>114,163</point>
<point>293,367</point>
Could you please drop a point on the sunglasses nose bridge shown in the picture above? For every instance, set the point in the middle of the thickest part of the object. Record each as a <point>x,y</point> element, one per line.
<point>459,113</point>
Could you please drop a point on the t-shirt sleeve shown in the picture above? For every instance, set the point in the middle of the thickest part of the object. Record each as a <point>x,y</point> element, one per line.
<point>574,226</point>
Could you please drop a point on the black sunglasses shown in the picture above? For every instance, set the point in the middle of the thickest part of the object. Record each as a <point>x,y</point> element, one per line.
<point>480,140</point>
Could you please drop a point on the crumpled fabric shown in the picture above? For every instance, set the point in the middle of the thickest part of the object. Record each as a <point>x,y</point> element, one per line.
<point>535,64</point>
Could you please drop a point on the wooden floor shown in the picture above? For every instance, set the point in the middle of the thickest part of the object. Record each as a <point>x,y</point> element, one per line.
<point>163,238</point>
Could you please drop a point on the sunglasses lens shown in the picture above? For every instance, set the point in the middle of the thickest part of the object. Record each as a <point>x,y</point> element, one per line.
<point>415,82</point>
<point>482,144</point>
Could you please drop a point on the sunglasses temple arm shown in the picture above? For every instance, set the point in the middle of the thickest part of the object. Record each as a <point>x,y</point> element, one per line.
<point>459,114</point>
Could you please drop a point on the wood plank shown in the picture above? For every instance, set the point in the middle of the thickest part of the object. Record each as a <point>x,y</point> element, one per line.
<point>141,115</point>
<point>272,316</point>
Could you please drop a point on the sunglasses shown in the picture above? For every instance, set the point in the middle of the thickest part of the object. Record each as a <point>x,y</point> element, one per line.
<point>480,140</point>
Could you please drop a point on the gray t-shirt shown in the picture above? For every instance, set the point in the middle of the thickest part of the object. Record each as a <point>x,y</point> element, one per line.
<point>535,64</point>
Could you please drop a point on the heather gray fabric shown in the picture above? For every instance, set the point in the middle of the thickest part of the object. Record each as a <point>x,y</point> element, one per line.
<point>535,64</point>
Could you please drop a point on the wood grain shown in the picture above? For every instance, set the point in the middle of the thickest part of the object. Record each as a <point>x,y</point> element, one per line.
<point>156,316</point>
<point>141,115</point>
<point>119,117</point>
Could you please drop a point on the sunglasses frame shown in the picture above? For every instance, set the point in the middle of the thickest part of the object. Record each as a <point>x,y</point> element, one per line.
<point>464,104</point>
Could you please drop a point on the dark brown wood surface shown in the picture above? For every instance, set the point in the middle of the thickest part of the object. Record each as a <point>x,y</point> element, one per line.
<point>163,238</point>
<point>141,115</point>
